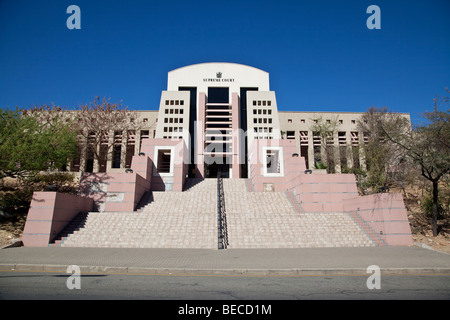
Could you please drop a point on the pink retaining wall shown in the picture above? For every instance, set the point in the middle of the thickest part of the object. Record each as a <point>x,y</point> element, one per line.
<point>124,191</point>
<point>49,213</point>
<point>119,191</point>
<point>293,165</point>
<point>169,181</point>
<point>386,214</point>
<point>325,192</point>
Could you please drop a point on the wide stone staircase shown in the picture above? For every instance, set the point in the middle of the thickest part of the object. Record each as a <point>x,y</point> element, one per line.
<point>189,220</point>
<point>273,220</point>
<point>171,220</point>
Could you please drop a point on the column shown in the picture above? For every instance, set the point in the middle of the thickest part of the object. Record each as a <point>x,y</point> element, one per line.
<point>236,144</point>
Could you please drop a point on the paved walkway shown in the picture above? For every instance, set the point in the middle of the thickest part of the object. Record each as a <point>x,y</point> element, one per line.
<point>228,262</point>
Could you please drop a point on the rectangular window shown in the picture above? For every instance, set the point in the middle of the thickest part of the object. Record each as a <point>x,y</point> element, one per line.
<point>218,95</point>
<point>273,161</point>
<point>117,151</point>
<point>164,158</point>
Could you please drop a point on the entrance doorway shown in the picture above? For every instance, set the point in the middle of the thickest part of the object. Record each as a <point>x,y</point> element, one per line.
<point>217,168</point>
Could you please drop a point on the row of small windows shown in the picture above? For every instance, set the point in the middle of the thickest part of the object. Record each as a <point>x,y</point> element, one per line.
<point>263,132</point>
<point>262,111</point>
<point>263,129</point>
<point>262,102</point>
<point>174,102</point>
<point>173,129</point>
<point>173,111</point>
<point>173,120</point>
<point>262,120</point>
<point>327,121</point>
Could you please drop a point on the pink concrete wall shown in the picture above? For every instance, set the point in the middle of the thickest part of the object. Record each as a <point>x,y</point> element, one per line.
<point>325,192</point>
<point>128,188</point>
<point>386,214</point>
<point>142,165</point>
<point>178,177</point>
<point>293,165</point>
<point>49,213</point>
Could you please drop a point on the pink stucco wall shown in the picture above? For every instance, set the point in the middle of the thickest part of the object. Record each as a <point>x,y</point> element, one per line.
<point>119,191</point>
<point>49,213</point>
<point>124,191</point>
<point>386,214</point>
<point>325,192</point>
<point>175,180</point>
<point>293,165</point>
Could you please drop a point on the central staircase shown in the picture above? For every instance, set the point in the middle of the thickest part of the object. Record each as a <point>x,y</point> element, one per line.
<point>189,220</point>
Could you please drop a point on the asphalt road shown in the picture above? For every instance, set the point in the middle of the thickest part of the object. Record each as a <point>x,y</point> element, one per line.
<point>15,285</point>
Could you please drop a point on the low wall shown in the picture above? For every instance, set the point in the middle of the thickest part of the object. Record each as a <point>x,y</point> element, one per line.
<point>49,213</point>
<point>325,192</point>
<point>386,214</point>
<point>119,191</point>
<point>124,191</point>
<point>294,166</point>
<point>173,181</point>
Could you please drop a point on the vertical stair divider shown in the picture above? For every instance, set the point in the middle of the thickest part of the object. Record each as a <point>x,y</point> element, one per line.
<point>221,215</point>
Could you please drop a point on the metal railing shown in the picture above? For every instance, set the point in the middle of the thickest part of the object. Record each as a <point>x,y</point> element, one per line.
<point>221,215</point>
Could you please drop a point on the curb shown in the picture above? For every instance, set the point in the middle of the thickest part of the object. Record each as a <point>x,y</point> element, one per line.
<point>223,272</point>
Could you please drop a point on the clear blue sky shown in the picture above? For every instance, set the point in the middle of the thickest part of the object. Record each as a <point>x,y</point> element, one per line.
<point>320,54</point>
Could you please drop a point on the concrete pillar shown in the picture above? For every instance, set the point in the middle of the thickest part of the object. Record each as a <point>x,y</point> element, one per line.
<point>200,136</point>
<point>236,144</point>
<point>310,149</point>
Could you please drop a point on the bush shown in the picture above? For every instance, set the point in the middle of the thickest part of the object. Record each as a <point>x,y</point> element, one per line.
<point>320,165</point>
<point>63,182</point>
<point>16,202</point>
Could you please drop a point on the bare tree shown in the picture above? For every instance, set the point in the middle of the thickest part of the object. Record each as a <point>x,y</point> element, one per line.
<point>384,159</point>
<point>326,130</point>
<point>103,125</point>
<point>428,146</point>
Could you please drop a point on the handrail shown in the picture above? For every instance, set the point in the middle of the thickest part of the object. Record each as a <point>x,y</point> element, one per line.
<point>222,217</point>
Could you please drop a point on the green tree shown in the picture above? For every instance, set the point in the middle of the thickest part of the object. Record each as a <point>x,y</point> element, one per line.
<point>33,140</point>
